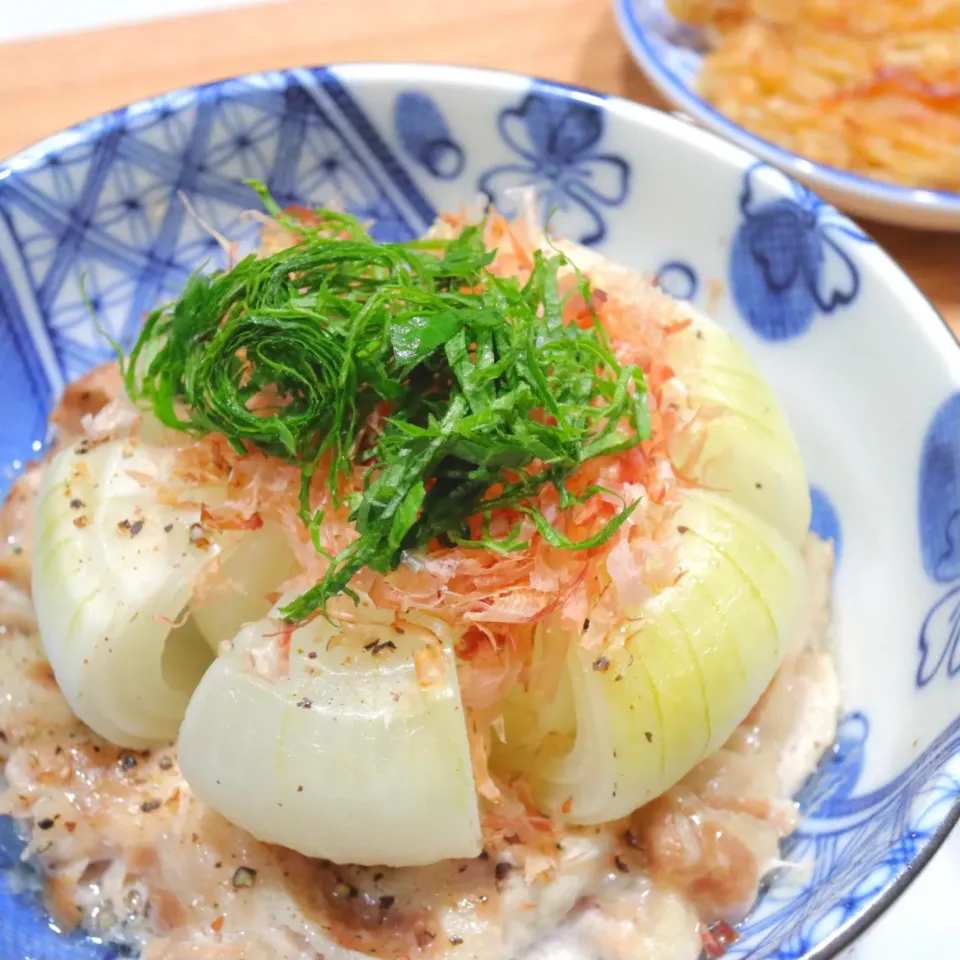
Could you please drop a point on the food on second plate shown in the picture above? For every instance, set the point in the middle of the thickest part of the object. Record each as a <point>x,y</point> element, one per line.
<point>869,86</point>
<point>471,578</point>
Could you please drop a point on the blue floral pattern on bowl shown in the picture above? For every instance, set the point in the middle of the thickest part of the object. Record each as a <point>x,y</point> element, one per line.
<point>859,843</point>
<point>102,203</point>
<point>824,521</point>
<point>678,280</point>
<point>556,137</point>
<point>425,136</point>
<point>939,516</point>
<point>788,262</point>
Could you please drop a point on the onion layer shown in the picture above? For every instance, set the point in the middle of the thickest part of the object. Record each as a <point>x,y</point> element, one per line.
<point>351,746</point>
<point>114,571</point>
<point>678,678</point>
<point>748,449</point>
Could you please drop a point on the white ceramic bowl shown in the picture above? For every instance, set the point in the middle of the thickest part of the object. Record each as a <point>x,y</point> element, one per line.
<point>869,373</point>
<point>671,55</point>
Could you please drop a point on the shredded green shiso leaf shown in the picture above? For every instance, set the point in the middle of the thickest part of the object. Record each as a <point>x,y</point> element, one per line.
<point>481,377</point>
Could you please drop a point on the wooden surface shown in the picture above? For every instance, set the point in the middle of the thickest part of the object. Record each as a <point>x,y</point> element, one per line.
<point>49,84</point>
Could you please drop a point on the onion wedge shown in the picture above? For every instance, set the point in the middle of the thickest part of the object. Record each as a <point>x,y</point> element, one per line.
<point>114,571</point>
<point>351,746</point>
<point>678,678</point>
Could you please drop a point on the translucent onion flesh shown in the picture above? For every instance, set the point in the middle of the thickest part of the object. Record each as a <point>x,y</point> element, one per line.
<point>748,449</point>
<point>114,572</point>
<point>682,674</point>
<point>344,754</point>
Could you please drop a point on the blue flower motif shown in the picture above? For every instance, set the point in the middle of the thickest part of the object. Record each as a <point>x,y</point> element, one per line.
<point>940,639</point>
<point>851,843</point>
<point>678,279</point>
<point>824,521</point>
<point>939,493</point>
<point>788,262</point>
<point>556,136</point>
<point>938,515</point>
<point>425,136</point>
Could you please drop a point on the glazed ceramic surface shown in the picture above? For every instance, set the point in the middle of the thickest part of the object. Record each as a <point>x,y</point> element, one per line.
<point>869,374</point>
<point>671,54</point>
